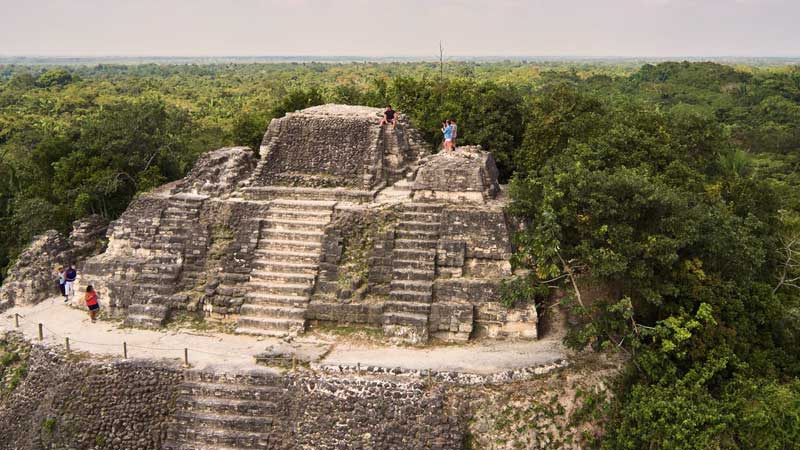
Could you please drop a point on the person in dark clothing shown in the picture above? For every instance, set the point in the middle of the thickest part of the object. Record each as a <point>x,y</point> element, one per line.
<point>69,286</point>
<point>389,117</point>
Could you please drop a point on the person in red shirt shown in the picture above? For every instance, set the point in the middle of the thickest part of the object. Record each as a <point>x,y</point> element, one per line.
<point>91,302</point>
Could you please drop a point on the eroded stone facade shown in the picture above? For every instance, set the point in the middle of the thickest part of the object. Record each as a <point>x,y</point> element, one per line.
<point>34,278</point>
<point>340,221</point>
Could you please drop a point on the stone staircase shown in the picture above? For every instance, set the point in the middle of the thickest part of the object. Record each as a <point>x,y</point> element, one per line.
<point>227,412</point>
<point>175,250</point>
<point>408,309</point>
<point>285,267</point>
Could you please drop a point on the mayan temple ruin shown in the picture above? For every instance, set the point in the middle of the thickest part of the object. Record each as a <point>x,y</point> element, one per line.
<point>340,224</point>
<point>340,220</point>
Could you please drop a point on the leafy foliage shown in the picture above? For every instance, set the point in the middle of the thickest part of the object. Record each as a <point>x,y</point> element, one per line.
<point>673,188</point>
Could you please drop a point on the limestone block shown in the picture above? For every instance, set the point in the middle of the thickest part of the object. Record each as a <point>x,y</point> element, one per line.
<point>469,173</point>
<point>485,231</point>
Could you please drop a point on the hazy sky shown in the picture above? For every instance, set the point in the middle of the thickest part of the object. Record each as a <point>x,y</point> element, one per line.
<point>400,27</point>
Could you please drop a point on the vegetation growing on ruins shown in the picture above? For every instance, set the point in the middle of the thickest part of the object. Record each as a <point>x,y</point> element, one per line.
<point>675,186</point>
<point>13,366</point>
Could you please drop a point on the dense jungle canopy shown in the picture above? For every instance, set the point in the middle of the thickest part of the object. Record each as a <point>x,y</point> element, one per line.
<point>674,187</point>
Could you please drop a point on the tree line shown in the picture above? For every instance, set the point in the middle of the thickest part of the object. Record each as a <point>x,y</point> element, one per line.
<point>673,186</point>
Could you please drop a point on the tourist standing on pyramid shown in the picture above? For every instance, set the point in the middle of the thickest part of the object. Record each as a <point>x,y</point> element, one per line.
<point>62,281</point>
<point>447,130</point>
<point>389,117</point>
<point>69,286</point>
<point>91,302</point>
<point>455,132</point>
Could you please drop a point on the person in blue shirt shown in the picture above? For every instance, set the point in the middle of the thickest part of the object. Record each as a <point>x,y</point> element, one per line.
<point>447,130</point>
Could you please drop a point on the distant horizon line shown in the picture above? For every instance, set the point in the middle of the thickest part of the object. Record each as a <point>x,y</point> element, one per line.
<point>376,57</point>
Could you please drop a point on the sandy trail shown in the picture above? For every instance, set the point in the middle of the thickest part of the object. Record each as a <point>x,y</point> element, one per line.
<point>237,352</point>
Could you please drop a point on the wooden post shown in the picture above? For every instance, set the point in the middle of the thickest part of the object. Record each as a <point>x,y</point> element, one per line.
<point>125,350</point>
<point>66,343</point>
<point>41,332</point>
<point>16,320</point>
<point>186,356</point>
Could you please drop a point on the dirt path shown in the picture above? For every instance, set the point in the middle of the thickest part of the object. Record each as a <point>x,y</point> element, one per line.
<point>238,351</point>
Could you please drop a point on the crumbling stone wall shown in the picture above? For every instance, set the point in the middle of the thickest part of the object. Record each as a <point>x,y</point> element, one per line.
<point>347,270</point>
<point>468,174</point>
<point>66,402</point>
<point>335,146</point>
<point>341,412</point>
<point>219,173</point>
<point>33,277</point>
<point>235,232</point>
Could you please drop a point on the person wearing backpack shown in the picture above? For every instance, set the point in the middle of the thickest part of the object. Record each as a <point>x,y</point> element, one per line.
<point>92,302</point>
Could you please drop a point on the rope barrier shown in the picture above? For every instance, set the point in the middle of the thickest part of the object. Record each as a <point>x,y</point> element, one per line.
<point>125,346</point>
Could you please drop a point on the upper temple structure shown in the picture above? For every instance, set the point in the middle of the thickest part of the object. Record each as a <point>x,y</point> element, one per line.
<point>339,221</point>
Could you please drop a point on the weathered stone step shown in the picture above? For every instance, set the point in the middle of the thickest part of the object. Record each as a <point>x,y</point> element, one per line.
<point>415,244</point>
<point>229,390</point>
<point>249,378</point>
<point>226,406</point>
<point>224,421</point>
<point>278,312</point>
<point>283,244</point>
<point>174,212</point>
<point>411,296</point>
<point>412,274</point>
<point>295,192</point>
<point>275,265</point>
<point>262,298</point>
<point>141,321</point>
<point>414,254</point>
<point>292,256</point>
<point>407,307</point>
<point>282,277</point>
<point>418,226</point>
<point>292,235</point>
<point>277,288</point>
<point>220,438</point>
<point>413,264</point>
<point>429,208</point>
<point>411,285</point>
<point>405,318</point>
<point>146,315</point>
<point>295,224</point>
<point>270,323</point>
<point>284,203</point>
<point>278,212</point>
<point>417,235</point>
<point>434,218</point>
